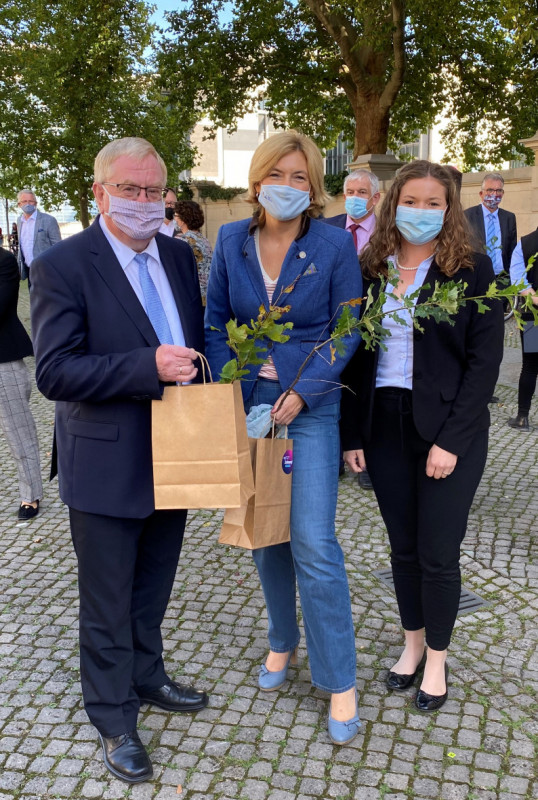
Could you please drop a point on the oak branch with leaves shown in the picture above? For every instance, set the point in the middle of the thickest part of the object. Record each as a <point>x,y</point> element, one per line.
<point>250,344</point>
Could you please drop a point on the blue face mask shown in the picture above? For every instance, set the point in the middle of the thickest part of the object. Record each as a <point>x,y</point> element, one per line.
<point>29,208</point>
<point>356,207</point>
<point>419,225</point>
<point>283,202</point>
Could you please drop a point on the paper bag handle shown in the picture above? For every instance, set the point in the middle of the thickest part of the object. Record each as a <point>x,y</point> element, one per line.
<point>205,365</point>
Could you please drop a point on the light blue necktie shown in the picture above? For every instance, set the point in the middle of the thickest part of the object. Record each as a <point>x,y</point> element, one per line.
<point>493,243</point>
<point>154,306</point>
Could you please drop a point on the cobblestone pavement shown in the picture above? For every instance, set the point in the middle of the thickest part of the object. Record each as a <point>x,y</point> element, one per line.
<point>260,746</point>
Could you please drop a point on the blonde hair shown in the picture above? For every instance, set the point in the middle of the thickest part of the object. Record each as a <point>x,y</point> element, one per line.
<point>269,153</point>
<point>131,146</point>
<point>453,250</point>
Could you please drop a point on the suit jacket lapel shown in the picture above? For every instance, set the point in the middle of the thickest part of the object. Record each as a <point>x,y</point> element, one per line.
<point>108,267</point>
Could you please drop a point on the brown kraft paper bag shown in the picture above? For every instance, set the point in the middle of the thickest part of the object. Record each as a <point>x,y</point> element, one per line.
<point>201,456</point>
<point>265,519</point>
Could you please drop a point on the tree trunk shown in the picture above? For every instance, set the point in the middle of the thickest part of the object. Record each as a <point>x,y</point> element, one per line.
<point>371,127</point>
<point>83,208</point>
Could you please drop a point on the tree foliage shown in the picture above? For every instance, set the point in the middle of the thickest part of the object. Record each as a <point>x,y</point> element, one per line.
<point>376,70</point>
<point>73,77</point>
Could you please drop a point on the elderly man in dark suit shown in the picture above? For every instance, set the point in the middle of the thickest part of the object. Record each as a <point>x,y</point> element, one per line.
<point>16,420</point>
<point>493,227</point>
<point>117,315</point>
<point>37,231</point>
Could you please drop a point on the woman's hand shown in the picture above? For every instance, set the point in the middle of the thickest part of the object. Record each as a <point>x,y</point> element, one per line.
<point>440,463</point>
<point>355,460</point>
<point>292,405</point>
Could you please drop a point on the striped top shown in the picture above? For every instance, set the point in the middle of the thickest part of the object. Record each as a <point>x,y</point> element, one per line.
<point>268,370</point>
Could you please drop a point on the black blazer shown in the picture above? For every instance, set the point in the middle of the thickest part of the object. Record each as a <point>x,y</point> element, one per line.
<point>14,341</point>
<point>455,369</point>
<point>95,356</point>
<point>507,222</point>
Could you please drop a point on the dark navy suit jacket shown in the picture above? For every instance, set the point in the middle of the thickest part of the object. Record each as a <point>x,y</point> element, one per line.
<point>507,223</point>
<point>95,356</point>
<point>14,341</point>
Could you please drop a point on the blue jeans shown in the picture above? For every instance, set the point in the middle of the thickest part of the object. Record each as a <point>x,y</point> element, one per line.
<point>313,557</point>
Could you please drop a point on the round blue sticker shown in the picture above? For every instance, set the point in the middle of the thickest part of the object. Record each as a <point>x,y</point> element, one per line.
<point>287,461</point>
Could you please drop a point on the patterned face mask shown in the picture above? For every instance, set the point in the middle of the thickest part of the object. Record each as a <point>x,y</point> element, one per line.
<point>137,220</point>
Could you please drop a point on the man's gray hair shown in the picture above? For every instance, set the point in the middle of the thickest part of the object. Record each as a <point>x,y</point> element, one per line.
<point>26,191</point>
<point>358,174</point>
<point>132,146</point>
<point>492,176</point>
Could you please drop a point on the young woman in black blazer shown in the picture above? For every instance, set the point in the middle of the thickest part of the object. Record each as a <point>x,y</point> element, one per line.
<point>419,416</point>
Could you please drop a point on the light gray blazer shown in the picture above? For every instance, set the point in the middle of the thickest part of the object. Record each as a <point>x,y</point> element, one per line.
<point>47,233</point>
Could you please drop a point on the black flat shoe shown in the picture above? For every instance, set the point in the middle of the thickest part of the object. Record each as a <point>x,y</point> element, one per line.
<point>173,697</point>
<point>26,511</point>
<point>125,757</point>
<point>398,682</point>
<point>431,702</point>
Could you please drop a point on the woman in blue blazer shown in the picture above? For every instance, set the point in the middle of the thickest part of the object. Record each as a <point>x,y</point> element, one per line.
<point>253,262</point>
<point>419,419</point>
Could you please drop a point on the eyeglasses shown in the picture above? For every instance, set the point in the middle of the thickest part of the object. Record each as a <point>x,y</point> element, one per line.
<point>132,192</point>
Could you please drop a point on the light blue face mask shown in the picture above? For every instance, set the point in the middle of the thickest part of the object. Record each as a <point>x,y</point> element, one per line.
<point>283,202</point>
<point>29,208</point>
<point>356,207</point>
<point>419,225</point>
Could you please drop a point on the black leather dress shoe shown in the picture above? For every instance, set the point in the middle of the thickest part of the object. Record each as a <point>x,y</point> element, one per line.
<point>365,482</point>
<point>520,422</point>
<point>400,682</point>
<point>431,702</point>
<point>125,757</point>
<point>173,697</point>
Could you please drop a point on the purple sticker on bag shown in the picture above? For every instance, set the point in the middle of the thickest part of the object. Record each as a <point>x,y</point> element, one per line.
<point>287,461</point>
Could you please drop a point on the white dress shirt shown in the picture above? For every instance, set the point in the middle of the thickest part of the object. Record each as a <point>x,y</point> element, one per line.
<point>125,256</point>
<point>27,235</point>
<point>395,364</point>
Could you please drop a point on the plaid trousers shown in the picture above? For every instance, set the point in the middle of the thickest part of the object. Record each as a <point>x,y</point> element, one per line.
<point>18,426</point>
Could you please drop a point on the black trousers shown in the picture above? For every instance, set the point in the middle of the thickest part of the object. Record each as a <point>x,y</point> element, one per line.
<point>527,382</point>
<point>426,518</point>
<point>126,570</point>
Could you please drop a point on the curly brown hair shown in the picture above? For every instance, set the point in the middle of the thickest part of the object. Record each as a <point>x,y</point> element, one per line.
<point>191,214</point>
<point>453,251</point>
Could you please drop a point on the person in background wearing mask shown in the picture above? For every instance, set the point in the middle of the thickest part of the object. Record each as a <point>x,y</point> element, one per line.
<point>168,226</point>
<point>419,417</point>
<point>494,228</point>
<point>361,190</point>
<point>37,232</point>
<point>117,315</point>
<point>254,261</point>
<point>16,420</point>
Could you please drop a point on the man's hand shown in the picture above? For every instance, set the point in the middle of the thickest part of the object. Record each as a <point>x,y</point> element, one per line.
<point>440,463</point>
<point>355,460</point>
<point>175,363</point>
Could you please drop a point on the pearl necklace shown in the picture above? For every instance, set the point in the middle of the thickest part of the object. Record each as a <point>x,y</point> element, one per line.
<point>406,269</point>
